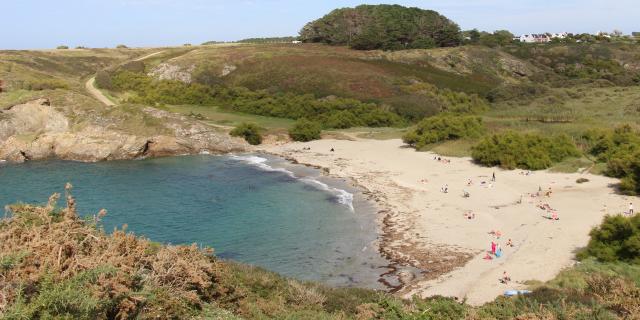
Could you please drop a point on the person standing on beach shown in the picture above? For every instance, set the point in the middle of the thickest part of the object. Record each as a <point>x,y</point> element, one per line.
<point>631,208</point>
<point>493,177</point>
<point>493,248</point>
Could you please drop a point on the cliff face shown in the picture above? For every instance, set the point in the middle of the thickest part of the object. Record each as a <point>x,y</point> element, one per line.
<point>40,130</point>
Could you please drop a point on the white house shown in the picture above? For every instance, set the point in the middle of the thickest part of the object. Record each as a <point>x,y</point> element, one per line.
<point>541,38</point>
<point>296,41</point>
<point>534,38</point>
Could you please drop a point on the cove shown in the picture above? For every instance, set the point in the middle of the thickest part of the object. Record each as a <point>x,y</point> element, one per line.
<point>254,209</point>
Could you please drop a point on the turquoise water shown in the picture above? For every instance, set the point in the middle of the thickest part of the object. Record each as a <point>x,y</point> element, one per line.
<point>259,210</point>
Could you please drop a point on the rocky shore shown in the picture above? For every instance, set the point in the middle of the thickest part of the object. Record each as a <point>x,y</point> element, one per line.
<point>41,130</point>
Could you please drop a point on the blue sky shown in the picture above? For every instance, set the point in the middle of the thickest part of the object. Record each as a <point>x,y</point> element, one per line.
<point>106,23</point>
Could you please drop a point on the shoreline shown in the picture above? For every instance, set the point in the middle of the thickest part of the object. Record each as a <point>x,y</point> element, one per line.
<point>391,243</point>
<point>425,229</point>
<point>363,194</point>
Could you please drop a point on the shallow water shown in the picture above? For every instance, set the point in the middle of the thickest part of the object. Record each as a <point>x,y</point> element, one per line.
<point>254,209</point>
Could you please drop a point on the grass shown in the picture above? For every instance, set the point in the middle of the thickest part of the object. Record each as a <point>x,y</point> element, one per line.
<point>454,148</point>
<point>572,165</point>
<point>215,116</point>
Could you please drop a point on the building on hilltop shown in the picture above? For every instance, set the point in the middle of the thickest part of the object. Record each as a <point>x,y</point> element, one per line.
<point>540,38</point>
<point>534,38</point>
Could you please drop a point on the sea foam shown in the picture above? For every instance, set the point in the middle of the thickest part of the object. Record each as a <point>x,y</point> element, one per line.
<point>344,197</point>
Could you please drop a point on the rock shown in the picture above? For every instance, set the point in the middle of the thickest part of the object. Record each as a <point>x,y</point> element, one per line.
<point>36,130</point>
<point>227,69</point>
<point>167,71</point>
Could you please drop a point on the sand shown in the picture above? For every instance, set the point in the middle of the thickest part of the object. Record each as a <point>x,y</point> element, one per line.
<point>425,228</point>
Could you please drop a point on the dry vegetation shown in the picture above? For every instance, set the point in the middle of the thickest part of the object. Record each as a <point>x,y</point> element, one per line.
<point>55,264</point>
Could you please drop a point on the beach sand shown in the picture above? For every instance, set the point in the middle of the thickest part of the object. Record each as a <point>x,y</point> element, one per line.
<point>425,228</point>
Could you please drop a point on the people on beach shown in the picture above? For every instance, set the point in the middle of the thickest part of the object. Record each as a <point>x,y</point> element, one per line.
<point>499,252</point>
<point>505,278</point>
<point>333,150</point>
<point>510,243</point>
<point>493,177</point>
<point>469,215</point>
<point>465,194</point>
<point>493,247</point>
<point>445,189</point>
<point>470,182</point>
<point>631,208</point>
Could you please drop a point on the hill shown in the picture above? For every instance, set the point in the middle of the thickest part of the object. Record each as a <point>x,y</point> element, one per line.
<point>387,27</point>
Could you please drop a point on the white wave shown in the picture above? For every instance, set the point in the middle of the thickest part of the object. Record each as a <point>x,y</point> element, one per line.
<point>260,163</point>
<point>344,197</point>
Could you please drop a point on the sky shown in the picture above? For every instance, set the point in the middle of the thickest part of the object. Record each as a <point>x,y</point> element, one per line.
<point>40,24</point>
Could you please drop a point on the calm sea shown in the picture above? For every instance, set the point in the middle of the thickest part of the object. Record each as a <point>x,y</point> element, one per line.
<point>254,209</point>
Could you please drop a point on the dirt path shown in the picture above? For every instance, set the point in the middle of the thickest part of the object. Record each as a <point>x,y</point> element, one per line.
<point>90,85</point>
<point>91,88</point>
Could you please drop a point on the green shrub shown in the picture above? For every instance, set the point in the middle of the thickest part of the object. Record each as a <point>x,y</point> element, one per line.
<point>249,131</point>
<point>527,151</point>
<point>331,112</point>
<point>62,47</point>
<point>122,46</point>
<point>616,239</point>
<point>518,92</point>
<point>103,80</point>
<point>443,127</point>
<point>305,130</point>
<point>620,149</point>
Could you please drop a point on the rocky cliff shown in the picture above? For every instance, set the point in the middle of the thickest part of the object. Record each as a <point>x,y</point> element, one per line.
<point>39,129</point>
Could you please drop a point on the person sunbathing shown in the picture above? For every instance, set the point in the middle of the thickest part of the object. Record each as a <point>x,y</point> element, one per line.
<point>510,243</point>
<point>505,278</point>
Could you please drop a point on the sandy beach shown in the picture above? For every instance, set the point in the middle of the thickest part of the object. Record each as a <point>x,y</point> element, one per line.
<point>424,227</point>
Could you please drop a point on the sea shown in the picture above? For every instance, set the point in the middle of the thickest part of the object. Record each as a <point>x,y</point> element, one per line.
<point>251,208</point>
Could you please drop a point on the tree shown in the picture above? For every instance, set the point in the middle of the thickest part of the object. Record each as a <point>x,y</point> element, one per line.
<point>474,36</point>
<point>386,27</point>
<point>305,130</point>
<point>63,47</point>
<point>249,131</point>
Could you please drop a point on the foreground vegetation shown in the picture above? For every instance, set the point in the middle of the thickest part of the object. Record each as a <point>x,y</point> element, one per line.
<point>57,265</point>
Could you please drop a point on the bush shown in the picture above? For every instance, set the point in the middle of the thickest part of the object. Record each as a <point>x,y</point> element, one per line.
<point>121,46</point>
<point>331,112</point>
<point>249,131</point>
<point>527,151</point>
<point>305,130</point>
<point>620,149</point>
<point>443,127</point>
<point>616,239</point>
<point>103,80</point>
<point>62,47</point>
<point>516,91</point>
